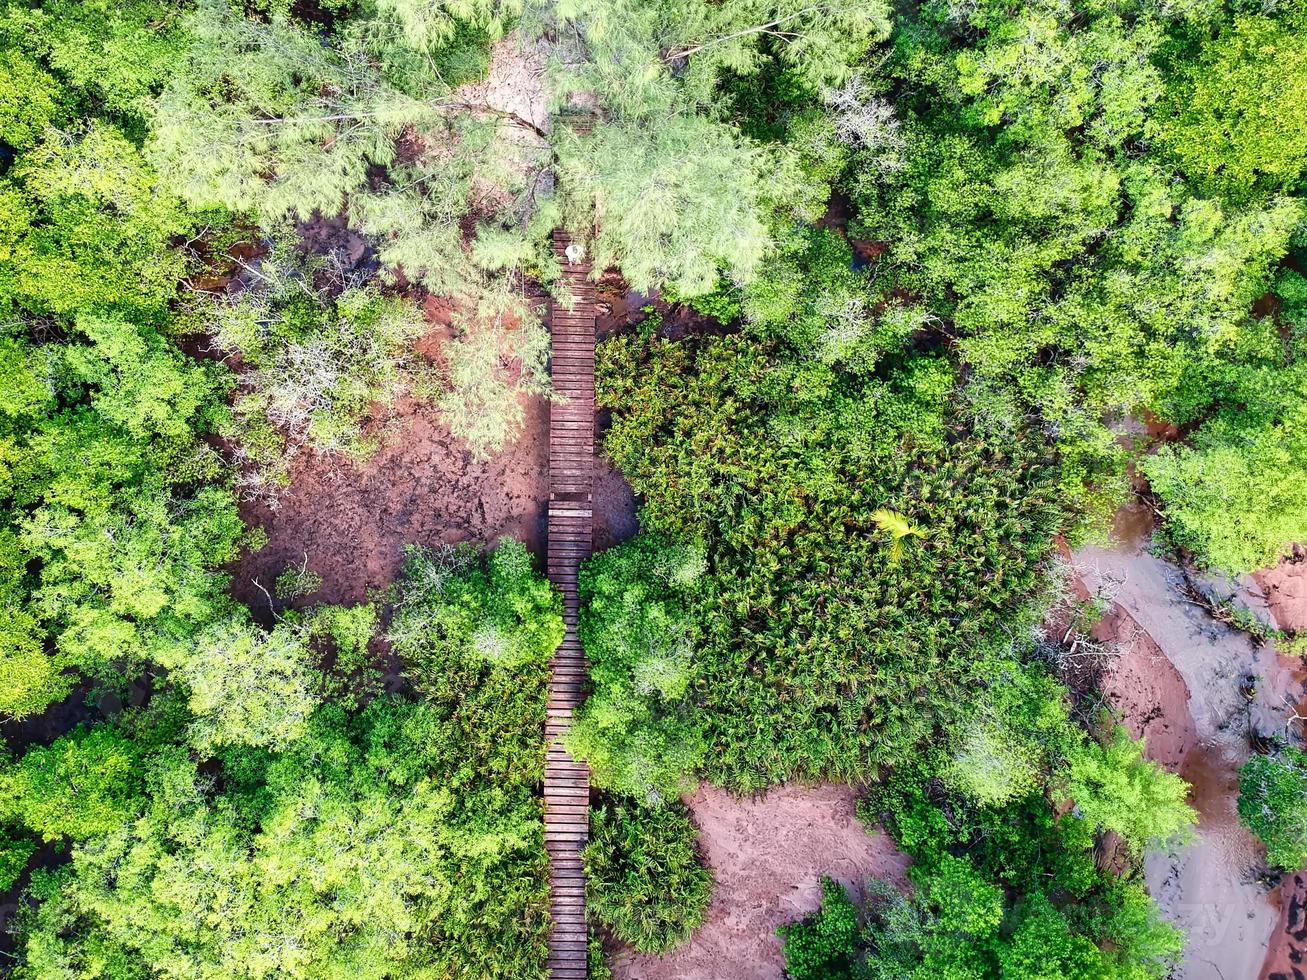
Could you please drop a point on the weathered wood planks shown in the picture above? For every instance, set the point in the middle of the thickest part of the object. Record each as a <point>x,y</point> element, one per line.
<point>571,528</point>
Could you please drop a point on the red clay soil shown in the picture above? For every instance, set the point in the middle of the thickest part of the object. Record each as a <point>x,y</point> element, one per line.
<point>768,856</point>
<point>1147,690</point>
<point>1285,587</point>
<point>1286,957</point>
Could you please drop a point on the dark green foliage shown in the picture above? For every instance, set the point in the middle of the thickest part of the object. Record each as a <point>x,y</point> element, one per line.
<point>959,926</point>
<point>1273,804</point>
<point>820,655</point>
<point>16,848</point>
<point>645,881</point>
<point>822,947</point>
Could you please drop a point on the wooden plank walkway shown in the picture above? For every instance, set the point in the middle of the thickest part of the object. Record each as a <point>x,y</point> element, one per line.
<point>571,528</point>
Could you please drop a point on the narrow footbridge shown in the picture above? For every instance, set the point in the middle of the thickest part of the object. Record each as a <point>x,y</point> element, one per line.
<point>571,528</point>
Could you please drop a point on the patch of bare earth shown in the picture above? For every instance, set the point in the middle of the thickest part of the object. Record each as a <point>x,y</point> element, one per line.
<point>1147,690</point>
<point>1285,587</point>
<point>768,855</point>
<point>352,521</point>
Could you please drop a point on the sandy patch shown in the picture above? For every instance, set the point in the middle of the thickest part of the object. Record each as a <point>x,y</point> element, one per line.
<point>768,856</point>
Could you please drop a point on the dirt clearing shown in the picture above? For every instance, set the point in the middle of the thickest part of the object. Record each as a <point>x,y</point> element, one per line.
<point>423,487</point>
<point>768,856</point>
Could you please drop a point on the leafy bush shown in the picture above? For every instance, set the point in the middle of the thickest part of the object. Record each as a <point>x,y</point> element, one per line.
<point>315,367</point>
<point>1115,788</point>
<point>296,582</point>
<point>453,605</point>
<point>84,785</point>
<point>644,878</point>
<point>1273,805</point>
<point>1238,496</point>
<point>475,636</point>
<point>1229,123</point>
<point>823,946</point>
<point>247,686</point>
<point>1014,737</point>
<point>636,729</point>
<point>679,200</point>
<point>16,849</point>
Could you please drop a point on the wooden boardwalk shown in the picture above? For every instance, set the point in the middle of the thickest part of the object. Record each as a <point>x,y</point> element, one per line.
<point>571,527</point>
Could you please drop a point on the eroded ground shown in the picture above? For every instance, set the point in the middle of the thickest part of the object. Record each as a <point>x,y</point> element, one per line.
<point>767,855</point>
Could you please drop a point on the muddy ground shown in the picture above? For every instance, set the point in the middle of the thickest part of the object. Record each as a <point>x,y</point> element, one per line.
<point>768,855</point>
<point>350,522</point>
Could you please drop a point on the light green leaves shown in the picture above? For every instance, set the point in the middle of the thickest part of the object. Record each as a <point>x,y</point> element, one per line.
<point>899,529</point>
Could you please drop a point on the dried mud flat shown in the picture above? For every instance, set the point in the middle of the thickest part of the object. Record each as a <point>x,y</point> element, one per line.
<point>768,855</point>
<point>351,522</point>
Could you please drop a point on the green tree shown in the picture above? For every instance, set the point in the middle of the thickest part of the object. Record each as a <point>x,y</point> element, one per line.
<point>457,605</point>
<point>246,686</point>
<point>84,785</point>
<point>677,201</point>
<point>1234,118</point>
<point>1237,497</point>
<point>378,846</point>
<point>1273,805</point>
<point>1115,788</point>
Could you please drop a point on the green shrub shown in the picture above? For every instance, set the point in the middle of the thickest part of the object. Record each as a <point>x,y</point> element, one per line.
<point>474,634</point>
<point>296,582</point>
<point>636,729</point>
<point>16,849</point>
<point>315,367</point>
<point>1227,120</point>
<point>1238,496</point>
<point>824,946</point>
<point>453,604</point>
<point>1273,805</point>
<point>84,785</point>
<point>645,881</point>
<point>1115,788</point>
<point>248,686</point>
